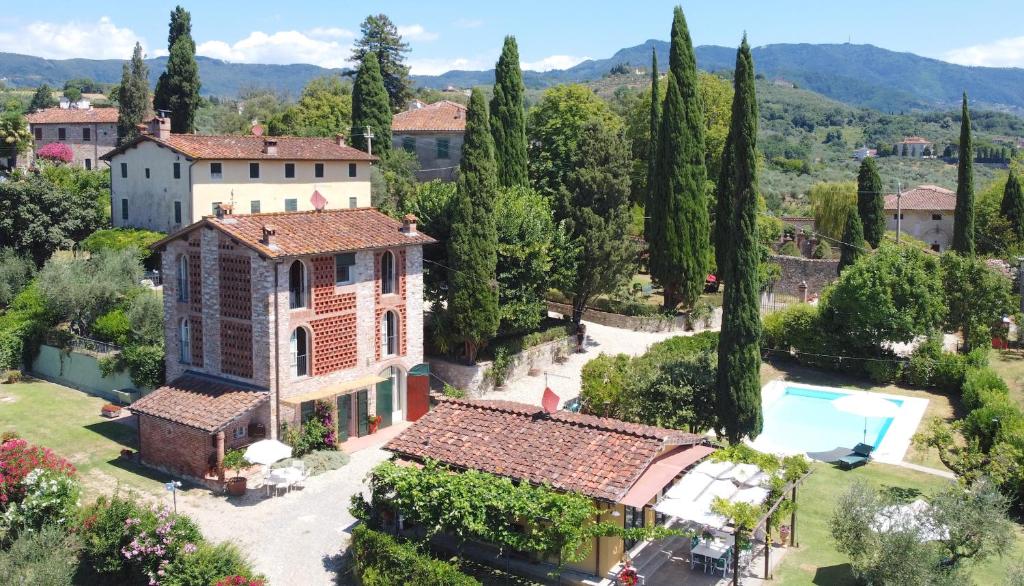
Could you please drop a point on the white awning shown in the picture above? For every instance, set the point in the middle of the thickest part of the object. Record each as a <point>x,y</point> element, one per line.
<point>691,498</point>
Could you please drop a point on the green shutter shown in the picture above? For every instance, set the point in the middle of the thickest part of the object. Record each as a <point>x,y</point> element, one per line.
<point>362,411</point>
<point>307,410</point>
<point>344,416</point>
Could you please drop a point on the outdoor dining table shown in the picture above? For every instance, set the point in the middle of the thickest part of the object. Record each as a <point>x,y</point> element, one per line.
<point>282,477</point>
<point>710,550</point>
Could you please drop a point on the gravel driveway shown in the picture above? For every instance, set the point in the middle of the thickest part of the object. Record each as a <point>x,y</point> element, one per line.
<point>293,539</point>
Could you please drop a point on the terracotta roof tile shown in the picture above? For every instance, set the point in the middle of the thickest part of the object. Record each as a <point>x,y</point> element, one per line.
<point>289,148</point>
<point>73,116</point>
<point>915,140</point>
<point>311,232</point>
<point>203,402</point>
<point>443,116</point>
<point>923,197</point>
<point>595,456</point>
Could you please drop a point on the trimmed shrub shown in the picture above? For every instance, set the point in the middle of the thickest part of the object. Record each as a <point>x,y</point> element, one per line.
<point>48,557</point>
<point>980,385</point>
<point>822,251</point>
<point>883,372</point>
<point>789,249</point>
<point>682,347</point>
<point>113,326</point>
<point>207,565</point>
<point>381,560</point>
<point>125,239</point>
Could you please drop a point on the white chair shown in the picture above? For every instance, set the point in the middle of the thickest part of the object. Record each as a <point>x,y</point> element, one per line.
<point>299,473</point>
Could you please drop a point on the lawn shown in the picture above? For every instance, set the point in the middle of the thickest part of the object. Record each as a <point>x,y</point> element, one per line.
<point>817,562</point>
<point>941,406</point>
<point>69,422</point>
<point>1010,365</point>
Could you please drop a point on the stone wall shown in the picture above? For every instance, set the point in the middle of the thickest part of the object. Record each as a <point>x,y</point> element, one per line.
<point>817,273</point>
<point>103,139</point>
<point>642,323</point>
<point>476,380</point>
<point>175,448</point>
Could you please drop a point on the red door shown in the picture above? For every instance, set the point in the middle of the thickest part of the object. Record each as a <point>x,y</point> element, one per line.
<point>417,386</point>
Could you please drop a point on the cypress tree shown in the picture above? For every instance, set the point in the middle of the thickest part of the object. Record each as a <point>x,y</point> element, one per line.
<point>177,90</point>
<point>132,96</point>
<point>1012,205</point>
<point>963,216</point>
<point>508,118</point>
<point>472,246</point>
<point>42,99</point>
<point>679,214</point>
<point>852,246</point>
<point>370,107</point>
<point>652,146</point>
<point>738,383</point>
<point>725,202</point>
<point>871,202</point>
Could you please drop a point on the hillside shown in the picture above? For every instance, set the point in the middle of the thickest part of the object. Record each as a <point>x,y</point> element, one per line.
<point>859,75</point>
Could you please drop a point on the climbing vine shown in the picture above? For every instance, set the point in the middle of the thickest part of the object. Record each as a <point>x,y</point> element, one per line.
<point>480,506</point>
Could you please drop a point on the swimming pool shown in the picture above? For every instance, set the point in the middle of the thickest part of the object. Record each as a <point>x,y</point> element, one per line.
<point>800,419</point>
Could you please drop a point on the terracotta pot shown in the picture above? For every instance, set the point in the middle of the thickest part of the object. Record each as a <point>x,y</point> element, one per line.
<point>373,427</point>
<point>236,486</point>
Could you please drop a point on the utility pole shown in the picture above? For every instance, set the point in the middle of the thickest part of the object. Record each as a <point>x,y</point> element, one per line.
<point>899,210</point>
<point>368,135</point>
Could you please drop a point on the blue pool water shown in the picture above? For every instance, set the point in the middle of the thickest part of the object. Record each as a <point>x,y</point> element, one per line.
<point>804,420</point>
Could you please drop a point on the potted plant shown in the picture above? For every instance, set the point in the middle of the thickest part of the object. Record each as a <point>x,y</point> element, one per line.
<point>374,421</point>
<point>110,410</point>
<point>235,460</point>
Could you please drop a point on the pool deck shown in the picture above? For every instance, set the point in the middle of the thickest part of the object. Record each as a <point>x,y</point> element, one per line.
<point>897,439</point>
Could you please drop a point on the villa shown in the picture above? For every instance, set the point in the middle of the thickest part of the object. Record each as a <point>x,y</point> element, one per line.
<point>434,133</point>
<point>925,212</point>
<point>267,314</point>
<point>90,132</point>
<point>164,181</point>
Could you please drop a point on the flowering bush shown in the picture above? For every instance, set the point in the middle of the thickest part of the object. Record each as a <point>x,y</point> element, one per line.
<point>237,580</point>
<point>157,539</point>
<point>209,564</point>
<point>51,498</point>
<point>56,151</point>
<point>326,417</point>
<point>17,459</point>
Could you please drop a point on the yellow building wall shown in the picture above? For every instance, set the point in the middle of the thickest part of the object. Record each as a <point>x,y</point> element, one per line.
<point>607,551</point>
<point>151,199</point>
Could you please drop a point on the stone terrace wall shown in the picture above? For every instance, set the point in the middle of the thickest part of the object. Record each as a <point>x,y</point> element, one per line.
<point>474,378</point>
<point>817,273</point>
<point>641,323</point>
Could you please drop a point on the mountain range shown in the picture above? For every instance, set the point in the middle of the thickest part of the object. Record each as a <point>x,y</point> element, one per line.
<point>859,75</point>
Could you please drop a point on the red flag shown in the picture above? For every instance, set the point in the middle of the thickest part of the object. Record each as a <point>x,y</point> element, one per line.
<point>550,400</point>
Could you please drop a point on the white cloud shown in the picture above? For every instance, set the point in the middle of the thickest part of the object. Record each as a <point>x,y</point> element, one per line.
<point>318,47</point>
<point>552,62</point>
<point>416,32</point>
<point>331,33</point>
<point>62,40</point>
<point>999,53</point>
<point>439,66</point>
<point>468,23</point>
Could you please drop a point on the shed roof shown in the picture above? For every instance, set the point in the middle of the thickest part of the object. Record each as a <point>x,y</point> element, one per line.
<point>201,401</point>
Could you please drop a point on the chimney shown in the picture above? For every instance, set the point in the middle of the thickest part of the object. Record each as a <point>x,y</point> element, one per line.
<point>270,146</point>
<point>339,139</point>
<point>269,232</point>
<point>160,127</point>
<point>409,224</point>
<point>225,209</point>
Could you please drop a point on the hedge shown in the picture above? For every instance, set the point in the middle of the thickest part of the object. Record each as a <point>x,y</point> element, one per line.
<point>381,560</point>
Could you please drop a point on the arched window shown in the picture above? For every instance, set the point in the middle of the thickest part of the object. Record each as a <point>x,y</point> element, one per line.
<point>300,352</point>
<point>297,285</point>
<point>389,334</point>
<point>184,342</point>
<point>387,273</point>
<point>183,278</point>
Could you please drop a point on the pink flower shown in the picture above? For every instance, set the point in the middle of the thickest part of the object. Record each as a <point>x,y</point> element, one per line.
<point>190,548</point>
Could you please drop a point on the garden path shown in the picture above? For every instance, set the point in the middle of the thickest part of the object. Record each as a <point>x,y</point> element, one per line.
<point>565,379</point>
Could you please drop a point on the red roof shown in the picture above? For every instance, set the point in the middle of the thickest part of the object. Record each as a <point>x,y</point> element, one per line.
<point>311,232</point>
<point>73,116</point>
<point>595,456</point>
<point>251,148</point>
<point>200,401</point>
<point>443,116</point>
<point>923,197</point>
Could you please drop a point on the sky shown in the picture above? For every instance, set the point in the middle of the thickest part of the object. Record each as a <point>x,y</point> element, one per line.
<point>554,34</point>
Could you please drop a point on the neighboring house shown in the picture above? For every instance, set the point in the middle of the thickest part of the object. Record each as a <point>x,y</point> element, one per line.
<point>163,181</point>
<point>623,466</point>
<point>433,132</point>
<point>914,146</point>
<point>266,314</point>
<point>90,132</point>
<point>927,212</point>
<point>864,153</point>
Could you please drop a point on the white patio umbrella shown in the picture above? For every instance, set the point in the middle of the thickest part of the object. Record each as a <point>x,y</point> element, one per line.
<point>267,451</point>
<point>867,406</point>
<point>909,516</point>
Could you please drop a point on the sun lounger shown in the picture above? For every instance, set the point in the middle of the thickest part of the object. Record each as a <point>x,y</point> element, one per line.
<point>860,456</point>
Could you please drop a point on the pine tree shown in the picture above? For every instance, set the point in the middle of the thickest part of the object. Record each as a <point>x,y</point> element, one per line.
<point>852,247</point>
<point>963,216</point>
<point>177,90</point>
<point>42,99</point>
<point>132,96</point>
<point>871,202</point>
<point>472,246</point>
<point>679,214</point>
<point>370,108</point>
<point>652,146</point>
<point>1012,205</point>
<point>738,383</point>
<point>380,37</point>
<point>508,118</point>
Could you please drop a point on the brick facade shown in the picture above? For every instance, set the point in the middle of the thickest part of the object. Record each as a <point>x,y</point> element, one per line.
<point>175,448</point>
